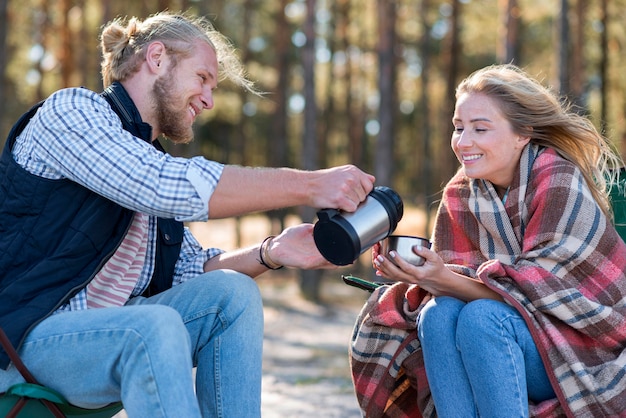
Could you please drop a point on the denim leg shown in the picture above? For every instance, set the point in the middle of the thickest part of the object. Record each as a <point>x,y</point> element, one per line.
<point>448,381</point>
<point>223,313</point>
<point>98,356</point>
<point>501,359</point>
<point>143,353</point>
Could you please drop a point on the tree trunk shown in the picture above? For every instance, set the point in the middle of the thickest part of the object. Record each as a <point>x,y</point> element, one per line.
<point>507,50</point>
<point>425,124</point>
<point>310,280</point>
<point>277,148</point>
<point>277,144</point>
<point>352,108</point>
<point>453,52</point>
<point>240,130</point>
<point>564,64</point>
<point>604,65</point>
<point>4,56</point>
<point>383,157</point>
<point>578,63</point>
<point>66,52</point>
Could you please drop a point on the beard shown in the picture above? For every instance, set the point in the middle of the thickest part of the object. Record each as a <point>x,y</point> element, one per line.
<point>171,117</point>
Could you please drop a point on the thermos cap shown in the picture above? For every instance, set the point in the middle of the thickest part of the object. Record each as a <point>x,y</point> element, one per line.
<point>392,203</point>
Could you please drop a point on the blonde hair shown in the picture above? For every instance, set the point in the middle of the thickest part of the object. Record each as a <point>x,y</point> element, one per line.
<point>124,43</point>
<point>535,111</point>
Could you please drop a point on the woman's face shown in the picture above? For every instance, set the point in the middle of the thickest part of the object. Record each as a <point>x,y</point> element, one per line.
<point>484,141</point>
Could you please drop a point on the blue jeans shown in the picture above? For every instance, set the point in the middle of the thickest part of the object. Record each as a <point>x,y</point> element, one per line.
<point>143,353</point>
<point>480,359</point>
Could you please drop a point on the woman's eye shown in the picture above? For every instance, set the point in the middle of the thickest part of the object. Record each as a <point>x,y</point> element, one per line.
<point>458,129</point>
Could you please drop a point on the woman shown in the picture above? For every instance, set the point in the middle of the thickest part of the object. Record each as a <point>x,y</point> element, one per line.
<point>520,304</point>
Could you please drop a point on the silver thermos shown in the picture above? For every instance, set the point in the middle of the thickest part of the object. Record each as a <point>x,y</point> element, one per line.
<point>341,237</point>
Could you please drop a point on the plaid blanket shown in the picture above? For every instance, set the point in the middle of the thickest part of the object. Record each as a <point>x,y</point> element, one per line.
<point>564,274</point>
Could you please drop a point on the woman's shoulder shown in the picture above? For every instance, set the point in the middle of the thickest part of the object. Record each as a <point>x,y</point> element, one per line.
<point>553,178</point>
<point>550,164</point>
<point>550,157</point>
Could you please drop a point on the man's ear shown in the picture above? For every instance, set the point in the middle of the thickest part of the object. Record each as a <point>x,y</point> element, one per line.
<point>155,56</point>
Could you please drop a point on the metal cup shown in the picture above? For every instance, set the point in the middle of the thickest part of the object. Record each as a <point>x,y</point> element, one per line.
<point>403,246</point>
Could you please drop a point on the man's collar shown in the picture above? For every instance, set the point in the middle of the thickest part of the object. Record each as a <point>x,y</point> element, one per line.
<point>123,105</point>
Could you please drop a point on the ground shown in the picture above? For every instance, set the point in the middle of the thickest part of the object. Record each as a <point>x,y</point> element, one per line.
<point>305,355</point>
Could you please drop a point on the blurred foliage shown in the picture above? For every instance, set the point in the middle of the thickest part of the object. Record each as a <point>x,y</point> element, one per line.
<point>52,44</point>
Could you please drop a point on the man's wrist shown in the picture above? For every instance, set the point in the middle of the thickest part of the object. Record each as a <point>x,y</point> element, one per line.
<point>264,254</point>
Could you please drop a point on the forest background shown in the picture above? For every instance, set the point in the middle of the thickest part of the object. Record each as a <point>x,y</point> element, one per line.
<point>366,82</point>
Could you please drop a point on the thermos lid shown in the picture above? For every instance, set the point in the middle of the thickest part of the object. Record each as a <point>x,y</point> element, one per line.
<point>392,202</point>
<point>336,238</point>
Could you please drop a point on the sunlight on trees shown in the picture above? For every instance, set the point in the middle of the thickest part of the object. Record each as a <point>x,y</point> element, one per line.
<point>49,45</point>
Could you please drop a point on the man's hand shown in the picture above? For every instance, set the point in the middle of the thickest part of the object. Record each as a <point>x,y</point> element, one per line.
<point>295,247</point>
<point>341,187</point>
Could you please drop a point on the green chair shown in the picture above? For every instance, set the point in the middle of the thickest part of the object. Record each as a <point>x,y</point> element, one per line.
<point>32,400</point>
<point>618,203</point>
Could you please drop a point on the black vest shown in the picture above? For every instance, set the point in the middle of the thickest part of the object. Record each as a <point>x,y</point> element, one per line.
<point>55,235</point>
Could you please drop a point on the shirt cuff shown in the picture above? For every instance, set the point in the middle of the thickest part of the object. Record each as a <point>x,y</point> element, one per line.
<point>204,180</point>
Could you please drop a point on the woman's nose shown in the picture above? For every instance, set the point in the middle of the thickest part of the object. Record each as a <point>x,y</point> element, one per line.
<point>463,140</point>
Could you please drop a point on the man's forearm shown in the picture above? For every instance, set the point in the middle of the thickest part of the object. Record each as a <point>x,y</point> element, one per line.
<point>243,190</point>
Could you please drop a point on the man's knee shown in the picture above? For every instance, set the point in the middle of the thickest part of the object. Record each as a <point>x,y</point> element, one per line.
<point>158,322</point>
<point>233,287</point>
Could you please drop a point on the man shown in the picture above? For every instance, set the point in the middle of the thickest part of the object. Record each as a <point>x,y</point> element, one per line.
<point>103,290</point>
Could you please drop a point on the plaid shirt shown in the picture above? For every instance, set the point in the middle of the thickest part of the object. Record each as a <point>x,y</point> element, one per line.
<point>77,136</point>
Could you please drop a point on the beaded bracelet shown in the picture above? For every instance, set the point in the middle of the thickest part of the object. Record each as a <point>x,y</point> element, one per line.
<point>264,254</point>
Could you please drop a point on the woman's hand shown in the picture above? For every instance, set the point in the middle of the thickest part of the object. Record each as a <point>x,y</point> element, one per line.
<point>430,276</point>
<point>433,276</point>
